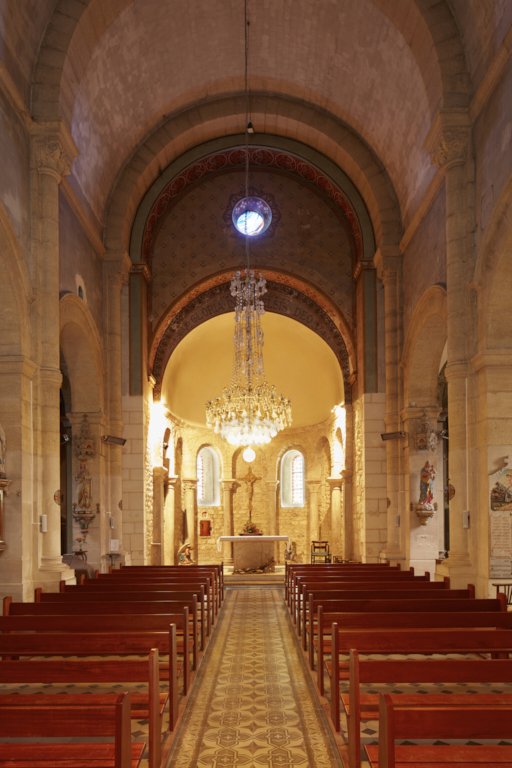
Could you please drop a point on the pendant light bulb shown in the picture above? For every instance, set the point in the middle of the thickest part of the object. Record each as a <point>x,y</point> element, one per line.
<point>249,454</point>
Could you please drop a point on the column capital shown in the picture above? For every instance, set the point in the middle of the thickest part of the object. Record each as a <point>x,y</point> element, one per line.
<point>228,484</point>
<point>388,262</point>
<point>54,148</point>
<point>448,139</point>
<point>116,267</point>
<point>189,483</point>
<point>160,471</point>
<point>335,482</point>
<point>172,479</point>
<point>272,484</point>
<point>456,370</point>
<point>314,485</point>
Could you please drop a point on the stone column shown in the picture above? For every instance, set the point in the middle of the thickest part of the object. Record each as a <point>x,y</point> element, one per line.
<point>115,274</point>
<point>272,486</point>
<point>190,486</point>
<point>227,548</point>
<point>54,152</point>
<point>157,553</point>
<point>449,149</point>
<point>347,546</point>
<point>314,488</point>
<point>336,520</point>
<point>388,261</point>
<point>168,522</point>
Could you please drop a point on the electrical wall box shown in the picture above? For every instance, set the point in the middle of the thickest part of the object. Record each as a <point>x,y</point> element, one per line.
<point>397,521</point>
<point>465,518</point>
<point>112,522</point>
<point>44,523</point>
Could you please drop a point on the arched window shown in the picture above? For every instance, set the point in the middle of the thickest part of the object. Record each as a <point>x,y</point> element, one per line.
<point>292,479</point>
<point>207,478</point>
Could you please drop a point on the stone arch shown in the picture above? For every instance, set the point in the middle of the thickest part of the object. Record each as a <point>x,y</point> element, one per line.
<point>424,346</point>
<point>81,345</point>
<point>15,292</point>
<point>182,132</point>
<point>182,313</point>
<point>443,70</point>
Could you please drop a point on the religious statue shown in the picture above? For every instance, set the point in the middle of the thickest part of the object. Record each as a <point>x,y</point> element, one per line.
<point>2,453</point>
<point>426,505</point>
<point>185,554</point>
<point>84,488</point>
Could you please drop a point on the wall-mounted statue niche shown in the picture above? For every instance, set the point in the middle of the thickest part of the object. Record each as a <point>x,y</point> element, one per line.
<point>85,449</point>
<point>4,487</point>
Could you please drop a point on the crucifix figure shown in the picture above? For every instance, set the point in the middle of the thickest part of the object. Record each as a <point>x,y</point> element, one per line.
<point>250,479</point>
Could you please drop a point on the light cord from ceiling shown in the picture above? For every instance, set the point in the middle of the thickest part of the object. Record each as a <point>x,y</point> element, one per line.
<point>246,40</point>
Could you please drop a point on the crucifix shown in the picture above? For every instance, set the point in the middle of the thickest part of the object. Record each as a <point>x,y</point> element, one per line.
<point>250,479</point>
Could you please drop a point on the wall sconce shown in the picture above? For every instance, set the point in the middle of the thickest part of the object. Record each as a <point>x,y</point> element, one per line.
<point>110,440</point>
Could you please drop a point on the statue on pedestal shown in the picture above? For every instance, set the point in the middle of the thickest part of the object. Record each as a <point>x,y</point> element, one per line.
<point>426,505</point>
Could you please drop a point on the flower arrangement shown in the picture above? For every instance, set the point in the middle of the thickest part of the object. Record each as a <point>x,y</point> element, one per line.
<point>251,527</point>
<point>81,539</point>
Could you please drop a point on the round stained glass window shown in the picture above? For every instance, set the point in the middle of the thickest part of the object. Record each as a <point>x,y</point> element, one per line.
<point>251,216</point>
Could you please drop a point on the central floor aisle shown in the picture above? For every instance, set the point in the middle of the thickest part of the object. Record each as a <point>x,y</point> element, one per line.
<point>253,702</point>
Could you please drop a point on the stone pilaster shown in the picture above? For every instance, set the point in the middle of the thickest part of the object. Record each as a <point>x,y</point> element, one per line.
<point>314,488</point>
<point>450,149</point>
<point>190,487</point>
<point>115,275</point>
<point>53,152</point>
<point>388,261</point>
<point>227,497</point>
<point>157,549</point>
<point>168,547</point>
<point>272,486</point>
<point>336,517</point>
<point>347,547</point>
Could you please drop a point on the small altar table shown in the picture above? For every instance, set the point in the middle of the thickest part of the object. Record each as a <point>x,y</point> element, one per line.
<point>251,551</point>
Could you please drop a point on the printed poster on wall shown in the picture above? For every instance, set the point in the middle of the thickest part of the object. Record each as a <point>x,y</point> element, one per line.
<point>500,529</point>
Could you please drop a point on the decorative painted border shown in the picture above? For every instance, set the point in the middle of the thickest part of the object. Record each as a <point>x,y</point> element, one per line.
<point>219,284</point>
<point>259,158</point>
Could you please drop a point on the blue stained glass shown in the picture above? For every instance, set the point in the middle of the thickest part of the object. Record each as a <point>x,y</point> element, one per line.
<point>250,223</point>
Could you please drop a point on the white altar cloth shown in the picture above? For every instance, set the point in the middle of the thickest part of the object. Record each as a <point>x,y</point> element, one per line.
<point>252,551</point>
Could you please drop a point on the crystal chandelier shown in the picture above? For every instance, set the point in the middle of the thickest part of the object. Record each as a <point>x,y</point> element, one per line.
<point>250,412</point>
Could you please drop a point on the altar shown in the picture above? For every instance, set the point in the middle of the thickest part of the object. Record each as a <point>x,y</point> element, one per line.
<point>251,551</point>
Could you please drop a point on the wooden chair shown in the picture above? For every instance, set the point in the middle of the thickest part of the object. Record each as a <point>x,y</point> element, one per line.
<point>320,552</point>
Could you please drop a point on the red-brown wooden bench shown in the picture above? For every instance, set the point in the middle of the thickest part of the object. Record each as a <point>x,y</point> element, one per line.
<point>408,641</point>
<point>148,706</point>
<point>359,707</point>
<point>163,570</point>
<point>293,571</point>
<point>397,722</point>
<point>75,716</point>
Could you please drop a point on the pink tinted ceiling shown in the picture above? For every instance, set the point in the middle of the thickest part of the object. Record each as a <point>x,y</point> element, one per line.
<point>155,58</point>
<point>22,25</point>
<point>483,25</point>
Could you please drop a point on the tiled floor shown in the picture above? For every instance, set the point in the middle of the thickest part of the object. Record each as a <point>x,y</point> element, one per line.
<point>253,702</point>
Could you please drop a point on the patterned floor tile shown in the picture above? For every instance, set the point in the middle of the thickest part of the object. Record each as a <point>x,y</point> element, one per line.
<point>253,702</point>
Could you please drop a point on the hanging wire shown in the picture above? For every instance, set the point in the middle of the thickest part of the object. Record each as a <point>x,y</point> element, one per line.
<point>246,25</point>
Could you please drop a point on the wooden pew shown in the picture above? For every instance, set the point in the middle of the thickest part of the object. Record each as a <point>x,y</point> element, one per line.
<point>390,606</point>
<point>302,581</point>
<point>292,571</point>
<point>410,619</point>
<point>173,581</point>
<point>218,571</point>
<point>408,641</point>
<point>385,590</point>
<point>441,723</point>
<point>360,707</point>
<point>148,706</point>
<point>152,592</point>
<point>97,643</point>
<point>75,716</point>
<point>305,585</point>
<point>92,622</point>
